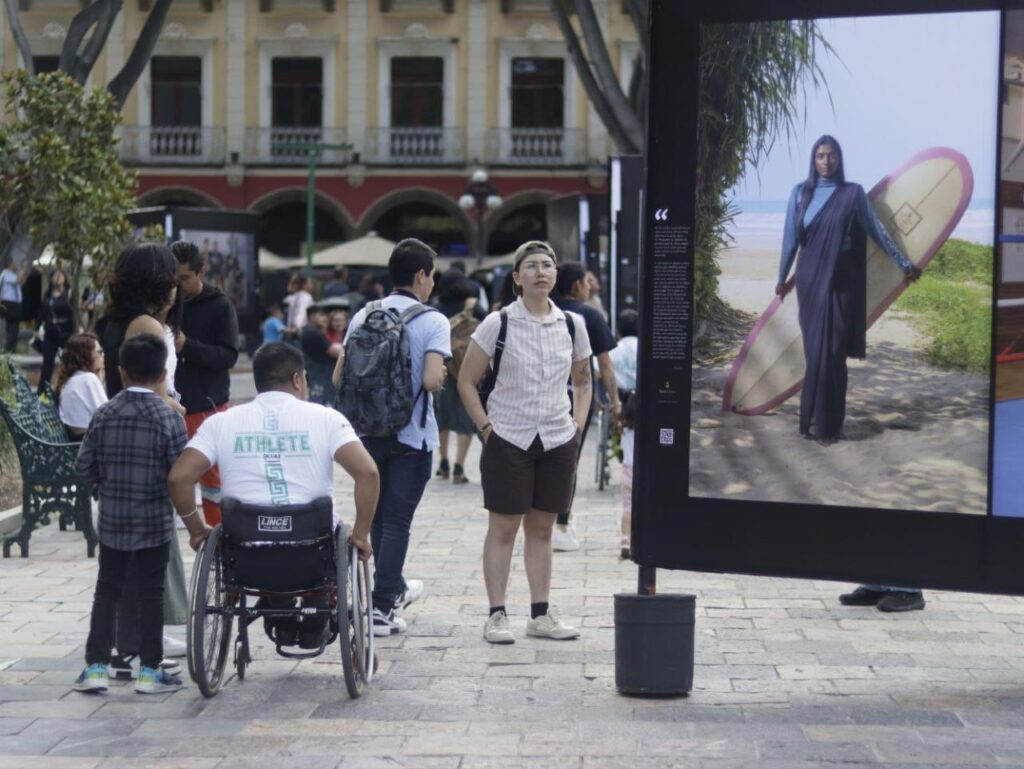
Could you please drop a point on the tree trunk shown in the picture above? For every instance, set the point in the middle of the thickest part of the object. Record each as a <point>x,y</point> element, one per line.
<point>610,86</point>
<point>21,247</point>
<point>597,98</point>
<point>137,60</point>
<point>19,36</point>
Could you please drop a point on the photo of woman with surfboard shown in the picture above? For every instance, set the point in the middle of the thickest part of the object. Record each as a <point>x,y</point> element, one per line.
<point>827,220</point>
<point>846,359</point>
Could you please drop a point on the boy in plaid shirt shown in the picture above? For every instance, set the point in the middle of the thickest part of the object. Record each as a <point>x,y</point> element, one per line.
<point>128,451</point>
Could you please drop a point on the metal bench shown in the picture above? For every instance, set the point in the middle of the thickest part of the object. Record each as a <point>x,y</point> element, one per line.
<point>47,457</point>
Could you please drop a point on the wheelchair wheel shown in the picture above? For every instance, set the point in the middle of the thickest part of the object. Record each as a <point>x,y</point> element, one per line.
<point>346,625</point>
<point>361,588</point>
<point>211,618</point>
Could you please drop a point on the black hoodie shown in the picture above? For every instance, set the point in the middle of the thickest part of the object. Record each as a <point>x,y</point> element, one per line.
<point>210,326</point>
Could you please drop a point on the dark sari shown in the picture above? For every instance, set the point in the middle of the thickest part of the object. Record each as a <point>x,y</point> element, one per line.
<point>831,288</point>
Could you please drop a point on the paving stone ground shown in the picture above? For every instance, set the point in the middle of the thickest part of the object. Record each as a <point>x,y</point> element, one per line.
<point>785,677</point>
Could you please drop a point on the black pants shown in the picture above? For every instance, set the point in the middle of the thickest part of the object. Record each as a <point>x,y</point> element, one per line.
<point>52,342</point>
<point>563,518</point>
<point>12,317</point>
<point>145,568</point>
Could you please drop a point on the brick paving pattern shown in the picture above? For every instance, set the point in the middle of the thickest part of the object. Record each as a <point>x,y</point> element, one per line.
<point>785,677</point>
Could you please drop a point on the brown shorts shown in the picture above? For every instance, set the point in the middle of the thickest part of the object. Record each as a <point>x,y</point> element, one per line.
<point>517,481</point>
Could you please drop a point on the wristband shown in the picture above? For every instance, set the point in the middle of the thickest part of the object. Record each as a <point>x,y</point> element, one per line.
<point>194,511</point>
<point>485,427</point>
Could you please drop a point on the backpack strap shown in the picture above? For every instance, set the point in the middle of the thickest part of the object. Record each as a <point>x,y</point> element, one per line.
<point>499,345</point>
<point>572,328</point>
<point>408,315</point>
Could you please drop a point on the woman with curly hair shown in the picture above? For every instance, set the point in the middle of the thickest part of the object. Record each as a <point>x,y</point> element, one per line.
<point>144,298</point>
<point>78,384</point>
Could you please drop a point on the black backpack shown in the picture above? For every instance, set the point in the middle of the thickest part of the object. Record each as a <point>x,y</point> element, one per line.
<point>486,384</point>
<point>375,393</point>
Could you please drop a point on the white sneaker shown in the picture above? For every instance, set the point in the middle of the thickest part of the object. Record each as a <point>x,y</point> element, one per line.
<point>387,624</point>
<point>173,647</point>
<point>413,592</point>
<point>496,629</point>
<point>550,626</point>
<point>564,540</point>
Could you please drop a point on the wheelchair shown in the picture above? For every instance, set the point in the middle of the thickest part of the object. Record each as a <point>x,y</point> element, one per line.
<point>289,566</point>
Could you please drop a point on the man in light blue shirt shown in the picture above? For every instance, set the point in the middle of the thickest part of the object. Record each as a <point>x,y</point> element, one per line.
<point>405,460</point>
<point>10,304</point>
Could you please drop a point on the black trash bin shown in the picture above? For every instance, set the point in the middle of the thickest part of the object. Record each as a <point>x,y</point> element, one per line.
<point>654,643</point>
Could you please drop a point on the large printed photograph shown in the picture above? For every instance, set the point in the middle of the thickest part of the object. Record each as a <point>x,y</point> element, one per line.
<point>845,356</point>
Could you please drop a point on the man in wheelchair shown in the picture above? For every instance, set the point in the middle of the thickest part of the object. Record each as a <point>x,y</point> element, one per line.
<point>279,450</point>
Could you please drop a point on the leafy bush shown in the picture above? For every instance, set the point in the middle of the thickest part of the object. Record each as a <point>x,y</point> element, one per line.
<point>7,394</point>
<point>963,260</point>
<point>955,316</point>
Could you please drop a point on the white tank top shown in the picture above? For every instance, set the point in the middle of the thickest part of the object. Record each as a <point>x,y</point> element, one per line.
<point>172,361</point>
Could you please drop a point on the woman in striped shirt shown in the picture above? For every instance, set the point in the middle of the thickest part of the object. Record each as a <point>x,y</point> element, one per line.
<point>530,437</point>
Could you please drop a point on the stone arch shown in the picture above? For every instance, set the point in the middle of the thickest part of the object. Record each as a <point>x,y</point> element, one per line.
<point>430,206</point>
<point>521,202</point>
<point>177,196</point>
<point>285,233</point>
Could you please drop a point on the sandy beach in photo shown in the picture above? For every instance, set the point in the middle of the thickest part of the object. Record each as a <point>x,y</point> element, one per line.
<point>916,437</point>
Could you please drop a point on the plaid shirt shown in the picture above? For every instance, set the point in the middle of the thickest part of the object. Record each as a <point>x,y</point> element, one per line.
<point>128,451</point>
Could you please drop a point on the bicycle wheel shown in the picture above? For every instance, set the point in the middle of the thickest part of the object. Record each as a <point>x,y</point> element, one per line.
<point>211,618</point>
<point>346,627</point>
<point>361,588</point>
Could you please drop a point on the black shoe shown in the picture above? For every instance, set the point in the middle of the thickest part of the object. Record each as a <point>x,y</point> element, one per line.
<point>900,600</point>
<point>442,470</point>
<point>312,639</point>
<point>459,476</point>
<point>863,596</point>
<point>286,631</point>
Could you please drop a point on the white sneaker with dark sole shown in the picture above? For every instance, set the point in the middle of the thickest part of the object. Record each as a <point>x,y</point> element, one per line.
<point>550,626</point>
<point>174,648</point>
<point>387,624</point>
<point>412,593</point>
<point>121,667</point>
<point>564,540</point>
<point>496,629</point>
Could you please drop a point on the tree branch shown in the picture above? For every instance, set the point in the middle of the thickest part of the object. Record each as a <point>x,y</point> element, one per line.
<point>81,24</point>
<point>598,50</point>
<point>132,69</point>
<point>637,10</point>
<point>19,36</point>
<point>97,41</point>
<point>590,85</point>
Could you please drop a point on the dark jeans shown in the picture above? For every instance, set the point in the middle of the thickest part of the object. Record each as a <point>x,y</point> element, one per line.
<point>145,568</point>
<point>404,473</point>
<point>563,518</point>
<point>12,317</point>
<point>52,342</point>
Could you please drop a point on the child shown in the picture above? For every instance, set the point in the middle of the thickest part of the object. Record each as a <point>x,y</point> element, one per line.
<point>273,326</point>
<point>128,451</point>
<point>629,410</point>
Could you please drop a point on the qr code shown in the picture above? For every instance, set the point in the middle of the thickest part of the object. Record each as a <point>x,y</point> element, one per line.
<point>666,436</point>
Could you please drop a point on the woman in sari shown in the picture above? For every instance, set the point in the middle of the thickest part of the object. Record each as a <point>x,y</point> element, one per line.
<point>829,219</point>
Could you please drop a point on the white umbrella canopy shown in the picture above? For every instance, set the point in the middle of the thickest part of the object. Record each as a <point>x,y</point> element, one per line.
<point>268,260</point>
<point>367,251</point>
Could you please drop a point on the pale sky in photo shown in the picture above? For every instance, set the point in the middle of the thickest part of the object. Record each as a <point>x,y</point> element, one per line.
<point>899,84</point>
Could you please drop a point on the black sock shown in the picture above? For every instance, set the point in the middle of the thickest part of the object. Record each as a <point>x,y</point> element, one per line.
<point>538,609</point>
<point>499,608</point>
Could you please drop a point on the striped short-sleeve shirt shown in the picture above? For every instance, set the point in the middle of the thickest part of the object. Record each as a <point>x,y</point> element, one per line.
<point>529,398</point>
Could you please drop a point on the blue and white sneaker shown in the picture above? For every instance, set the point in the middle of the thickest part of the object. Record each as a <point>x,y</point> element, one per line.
<point>93,679</point>
<point>156,681</point>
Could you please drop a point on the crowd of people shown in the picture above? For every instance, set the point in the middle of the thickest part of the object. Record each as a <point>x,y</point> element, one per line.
<point>373,382</point>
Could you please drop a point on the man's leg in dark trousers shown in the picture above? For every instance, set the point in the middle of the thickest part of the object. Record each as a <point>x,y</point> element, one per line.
<point>404,473</point>
<point>563,518</point>
<point>150,567</point>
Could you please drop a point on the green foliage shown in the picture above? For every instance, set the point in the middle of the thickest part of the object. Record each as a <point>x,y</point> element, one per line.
<point>6,394</point>
<point>60,170</point>
<point>751,77</point>
<point>952,306</point>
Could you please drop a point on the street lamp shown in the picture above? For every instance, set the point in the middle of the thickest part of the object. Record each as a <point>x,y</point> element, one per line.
<point>479,196</point>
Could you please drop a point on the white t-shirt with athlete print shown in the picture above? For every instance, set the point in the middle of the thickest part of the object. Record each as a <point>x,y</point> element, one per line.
<point>275,450</point>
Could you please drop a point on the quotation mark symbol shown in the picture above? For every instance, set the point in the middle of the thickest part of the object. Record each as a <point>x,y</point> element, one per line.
<point>661,215</point>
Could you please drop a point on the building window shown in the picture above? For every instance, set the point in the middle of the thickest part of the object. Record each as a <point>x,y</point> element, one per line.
<point>42,64</point>
<point>417,91</point>
<point>297,92</point>
<point>177,91</point>
<point>538,92</point>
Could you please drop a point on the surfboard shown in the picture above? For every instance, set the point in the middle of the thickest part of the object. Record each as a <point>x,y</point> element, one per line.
<point>920,204</point>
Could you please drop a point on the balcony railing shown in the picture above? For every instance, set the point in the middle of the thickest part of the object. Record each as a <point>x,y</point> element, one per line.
<point>282,145</point>
<point>537,146</point>
<point>415,146</point>
<point>172,145</point>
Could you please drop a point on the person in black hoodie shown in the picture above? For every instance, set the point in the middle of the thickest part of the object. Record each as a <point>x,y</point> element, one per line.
<point>207,348</point>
